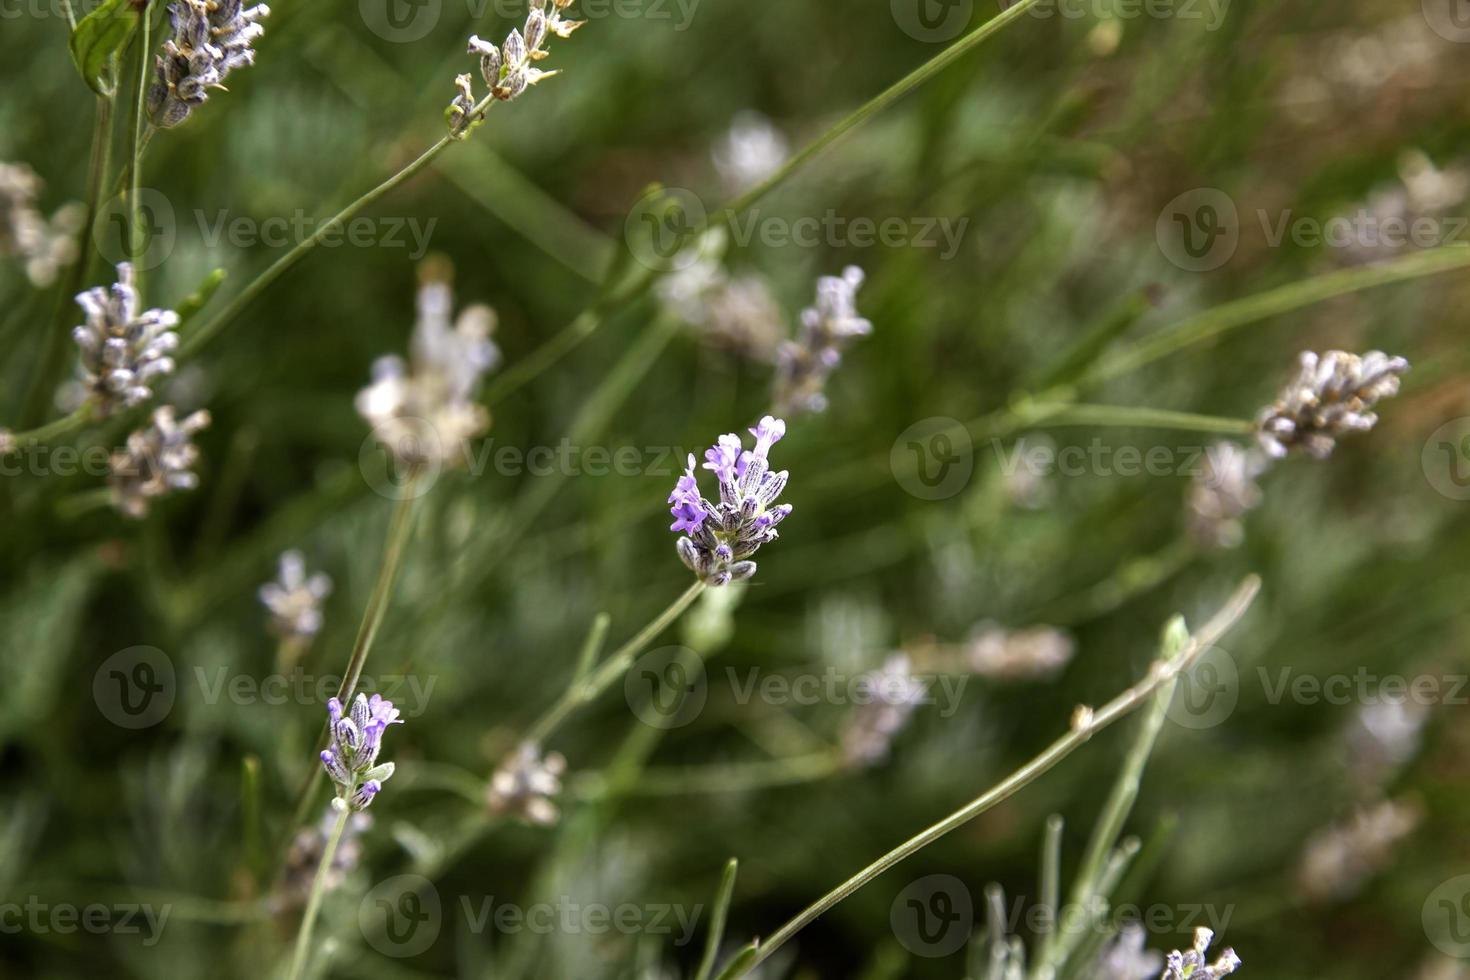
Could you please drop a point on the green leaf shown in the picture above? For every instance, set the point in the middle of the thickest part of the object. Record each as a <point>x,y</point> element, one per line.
<point>97,36</point>
<point>196,301</point>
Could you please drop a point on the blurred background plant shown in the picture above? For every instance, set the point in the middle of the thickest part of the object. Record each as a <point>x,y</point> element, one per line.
<point>1325,828</point>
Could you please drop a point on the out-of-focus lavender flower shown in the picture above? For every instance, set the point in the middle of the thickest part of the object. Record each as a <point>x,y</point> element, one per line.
<point>1034,653</point>
<point>804,365</point>
<point>1195,965</point>
<point>525,785</point>
<point>735,313</point>
<point>1222,493</point>
<point>44,247</point>
<point>1127,958</point>
<point>721,538</point>
<point>211,39</point>
<point>122,351</point>
<point>157,459</point>
<point>752,150</point>
<point>294,599</point>
<point>509,69</point>
<point>1332,395</point>
<point>1339,859</point>
<point>351,758</point>
<point>305,856</point>
<point>425,411</point>
<point>1383,736</point>
<point>893,693</point>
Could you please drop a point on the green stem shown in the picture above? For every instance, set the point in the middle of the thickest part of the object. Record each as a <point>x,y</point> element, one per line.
<point>1083,728</point>
<point>612,668</point>
<point>65,425</point>
<point>1145,418</point>
<point>729,777</point>
<point>314,901</point>
<point>135,205</point>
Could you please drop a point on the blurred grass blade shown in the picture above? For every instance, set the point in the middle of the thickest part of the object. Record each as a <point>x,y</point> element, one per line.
<point>719,912</point>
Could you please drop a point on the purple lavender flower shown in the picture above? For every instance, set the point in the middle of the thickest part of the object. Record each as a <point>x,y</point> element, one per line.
<point>720,538</point>
<point>803,365</point>
<point>357,737</point>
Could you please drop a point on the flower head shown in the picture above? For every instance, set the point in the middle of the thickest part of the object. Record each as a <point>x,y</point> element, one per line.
<point>892,693</point>
<point>1194,964</point>
<point>804,365</point>
<point>294,599</point>
<point>44,246</point>
<point>157,459</point>
<point>211,39</point>
<point>525,784</point>
<point>1222,493</point>
<point>720,538</point>
<point>352,753</point>
<point>509,69</point>
<point>425,410</point>
<point>122,350</point>
<point>1332,395</point>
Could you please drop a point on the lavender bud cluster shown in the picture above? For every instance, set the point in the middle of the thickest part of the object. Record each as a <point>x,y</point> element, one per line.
<point>43,246</point>
<point>294,599</point>
<point>351,759</point>
<point>156,459</point>
<point>894,693</point>
<point>1195,965</point>
<point>804,364</point>
<point>719,539</point>
<point>508,70</point>
<point>1332,395</point>
<point>211,39</point>
<point>122,350</point>
<point>525,785</point>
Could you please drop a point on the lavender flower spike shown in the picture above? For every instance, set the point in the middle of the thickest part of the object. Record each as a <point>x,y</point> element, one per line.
<point>122,348</point>
<point>721,538</point>
<point>1194,965</point>
<point>211,39</point>
<point>351,759</point>
<point>804,365</point>
<point>1332,395</point>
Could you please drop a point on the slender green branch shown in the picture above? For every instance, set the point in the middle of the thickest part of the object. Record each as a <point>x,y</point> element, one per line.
<point>49,432</point>
<point>314,901</point>
<point>718,916</point>
<point>611,669</point>
<point>1085,723</point>
<point>1145,418</point>
<point>733,777</point>
<point>135,204</point>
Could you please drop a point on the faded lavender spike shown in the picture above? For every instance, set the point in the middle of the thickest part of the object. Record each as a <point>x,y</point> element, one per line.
<point>294,599</point>
<point>211,39</point>
<point>122,350</point>
<point>1222,493</point>
<point>526,784</point>
<point>721,538</point>
<point>804,365</point>
<point>509,69</point>
<point>157,459</point>
<point>1332,395</point>
<point>351,758</point>
<point>892,694</point>
<point>1194,964</point>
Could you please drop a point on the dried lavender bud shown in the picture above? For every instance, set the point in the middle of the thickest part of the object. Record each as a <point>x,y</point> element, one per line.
<point>508,71</point>
<point>894,693</point>
<point>122,351</point>
<point>1194,965</point>
<point>211,39</point>
<point>1037,652</point>
<point>157,459</point>
<point>1332,396</point>
<point>804,365</point>
<point>44,247</point>
<point>1338,860</point>
<point>294,599</point>
<point>460,110</point>
<point>489,63</point>
<point>525,784</point>
<point>437,388</point>
<point>1222,493</point>
<point>351,756</point>
<point>721,538</point>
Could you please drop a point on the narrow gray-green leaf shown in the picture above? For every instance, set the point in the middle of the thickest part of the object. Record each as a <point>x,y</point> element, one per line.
<point>97,36</point>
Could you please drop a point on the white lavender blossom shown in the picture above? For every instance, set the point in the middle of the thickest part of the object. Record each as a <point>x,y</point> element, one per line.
<point>1035,653</point>
<point>891,694</point>
<point>1195,965</point>
<point>351,758</point>
<point>294,599</point>
<point>425,411</point>
<point>44,247</point>
<point>804,365</point>
<point>211,39</point>
<point>509,69</point>
<point>721,538</point>
<point>1338,860</point>
<point>1127,958</point>
<point>1332,395</point>
<point>157,459</point>
<point>525,785</point>
<point>122,350</point>
<point>1221,493</point>
<point>752,150</point>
